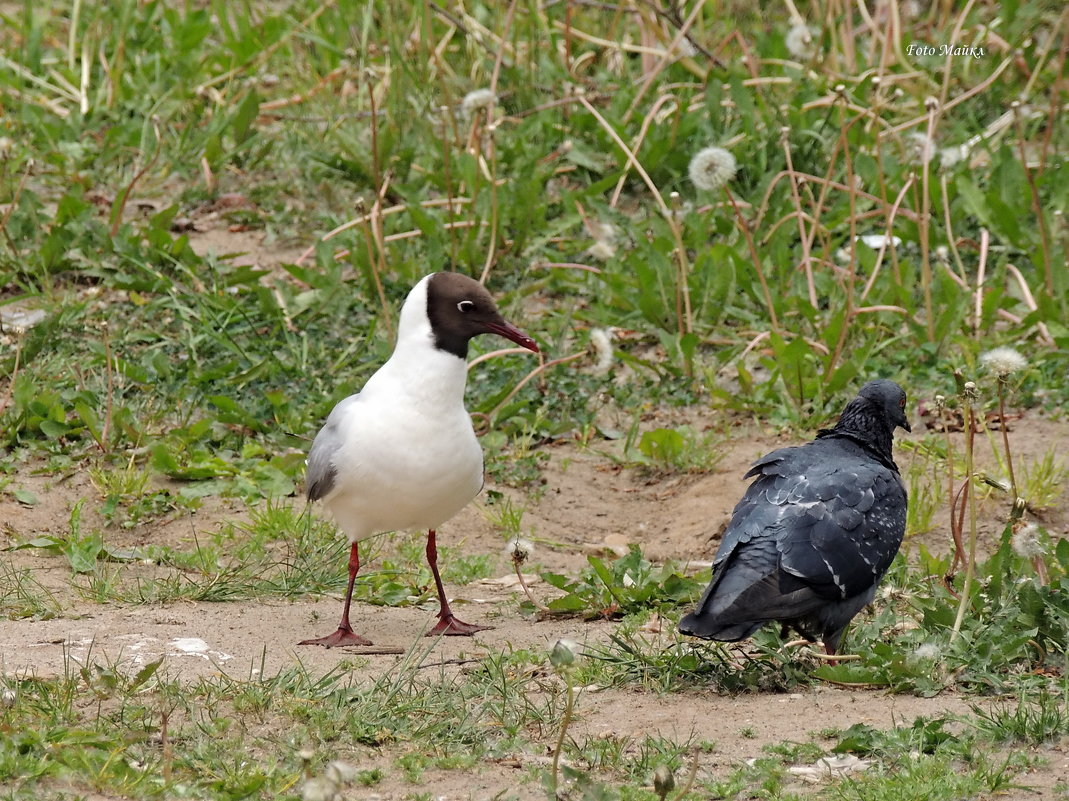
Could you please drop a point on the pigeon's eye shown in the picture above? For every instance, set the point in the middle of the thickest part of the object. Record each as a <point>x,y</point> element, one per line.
<point>901,403</point>
<point>465,306</point>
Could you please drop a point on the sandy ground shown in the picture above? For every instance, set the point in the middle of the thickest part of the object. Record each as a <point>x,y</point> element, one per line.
<point>589,505</point>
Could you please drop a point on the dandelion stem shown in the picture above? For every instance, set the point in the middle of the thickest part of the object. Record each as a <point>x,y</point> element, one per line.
<point>491,249</point>
<point>564,723</point>
<point>536,371</point>
<point>691,776</point>
<point>684,316</point>
<point>981,272</point>
<point>925,222</point>
<point>1037,206</point>
<point>970,499</point>
<point>119,205</point>
<point>851,278</point>
<point>541,607</point>
<point>14,372</point>
<point>756,262</point>
<point>1001,384</point>
<point>108,366</point>
<point>807,261</point>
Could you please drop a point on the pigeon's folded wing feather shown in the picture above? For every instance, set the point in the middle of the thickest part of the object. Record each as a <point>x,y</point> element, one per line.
<point>844,540</point>
<point>819,524</point>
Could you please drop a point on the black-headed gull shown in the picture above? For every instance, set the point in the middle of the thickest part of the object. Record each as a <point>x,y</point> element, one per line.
<point>401,453</point>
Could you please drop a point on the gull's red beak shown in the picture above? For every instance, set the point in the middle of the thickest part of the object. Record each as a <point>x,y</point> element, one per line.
<point>509,331</point>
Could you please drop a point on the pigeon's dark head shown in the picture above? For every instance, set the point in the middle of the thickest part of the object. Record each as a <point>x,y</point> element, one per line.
<point>871,418</point>
<point>889,399</point>
<point>459,308</point>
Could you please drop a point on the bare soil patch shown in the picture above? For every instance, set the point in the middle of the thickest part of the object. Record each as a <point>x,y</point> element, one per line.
<point>589,504</point>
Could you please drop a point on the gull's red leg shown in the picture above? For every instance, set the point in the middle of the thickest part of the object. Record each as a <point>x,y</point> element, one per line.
<point>344,635</point>
<point>448,623</point>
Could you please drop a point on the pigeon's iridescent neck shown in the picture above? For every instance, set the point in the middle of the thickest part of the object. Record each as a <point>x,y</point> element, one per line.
<point>866,424</point>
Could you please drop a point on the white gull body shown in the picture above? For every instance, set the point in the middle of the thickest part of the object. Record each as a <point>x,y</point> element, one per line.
<point>402,454</point>
<point>403,450</point>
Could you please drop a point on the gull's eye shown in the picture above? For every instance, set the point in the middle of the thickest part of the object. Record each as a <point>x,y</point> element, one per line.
<point>465,306</point>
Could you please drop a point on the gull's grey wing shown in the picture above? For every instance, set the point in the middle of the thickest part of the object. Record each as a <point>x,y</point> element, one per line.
<point>319,477</point>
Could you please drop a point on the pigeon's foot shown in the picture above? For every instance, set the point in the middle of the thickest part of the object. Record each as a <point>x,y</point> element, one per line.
<point>343,636</point>
<point>450,626</point>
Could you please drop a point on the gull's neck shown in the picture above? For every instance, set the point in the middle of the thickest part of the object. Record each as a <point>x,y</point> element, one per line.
<point>417,366</point>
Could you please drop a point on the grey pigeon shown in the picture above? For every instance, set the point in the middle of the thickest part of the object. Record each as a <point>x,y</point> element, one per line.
<point>815,532</point>
<point>401,454</point>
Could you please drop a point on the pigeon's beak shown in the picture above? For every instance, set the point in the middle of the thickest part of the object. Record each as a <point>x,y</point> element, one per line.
<point>509,331</point>
<point>905,424</point>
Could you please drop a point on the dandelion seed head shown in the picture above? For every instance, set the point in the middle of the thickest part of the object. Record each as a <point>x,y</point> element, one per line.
<point>604,231</point>
<point>1026,542</point>
<point>7,697</point>
<point>927,650</point>
<point>686,48</point>
<point>1003,361</point>
<point>605,238</point>
<point>340,772</point>
<point>601,341</point>
<point>664,781</point>
<point>712,167</point>
<point>602,250</point>
<point>949,156</point>
<point>799,40</point>
<point>476,100</point>
<point>921,148</point>
<point>519,550</point>
<point>319,789</point>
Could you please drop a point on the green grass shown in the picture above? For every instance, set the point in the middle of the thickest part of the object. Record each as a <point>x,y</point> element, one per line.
<point>149,736</point>
<point>170,377</point>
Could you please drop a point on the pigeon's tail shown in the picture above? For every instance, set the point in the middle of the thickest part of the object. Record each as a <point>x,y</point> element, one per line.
<point>720,615</point>
<point>739,601</point>
<point>709,628</point>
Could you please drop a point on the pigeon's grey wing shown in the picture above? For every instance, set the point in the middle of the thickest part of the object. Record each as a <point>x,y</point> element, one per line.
<point>818,524</point>
<point>848,518</point>
<point>750,518</point>
<point>321,472</point>
<point>748,587</point>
